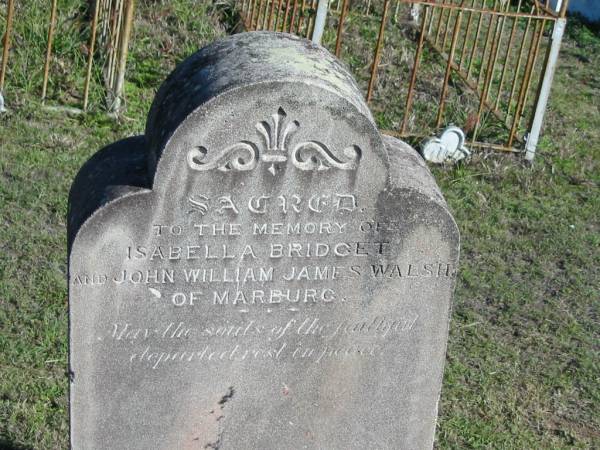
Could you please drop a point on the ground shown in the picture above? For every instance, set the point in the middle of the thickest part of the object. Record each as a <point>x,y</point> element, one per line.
<point>522,366</point>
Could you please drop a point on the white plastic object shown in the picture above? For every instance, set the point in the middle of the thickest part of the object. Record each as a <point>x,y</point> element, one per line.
<point>450,146</point>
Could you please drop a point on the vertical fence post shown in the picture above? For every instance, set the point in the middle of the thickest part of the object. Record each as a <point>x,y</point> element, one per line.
<point>506,55</point>
<point>517,68</point>
<point>116,16</point>
<point>293,19</point>
<point>271,16</point>
<point>540,108</point>
<point>279,12</point>
<point>533,51</point>
<point>320,21</point>
<point>489,73</point>
<point>10,9</point>
<point>49,49</point>
<point>123,49</point>
<point>261,7</point>
<point>455,34</point>
<point>88,73</point>
<point>476,40</point>
<point>301,20</point>
<point>488,35</point>
<point>286,16</point>
<point>467,33</point>
<point>413,76</point>
<point>340,30</point>
<point>310,28</point>
<point>377,55</point>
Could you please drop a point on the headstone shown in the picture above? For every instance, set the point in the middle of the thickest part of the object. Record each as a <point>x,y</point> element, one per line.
<point>262,269</point>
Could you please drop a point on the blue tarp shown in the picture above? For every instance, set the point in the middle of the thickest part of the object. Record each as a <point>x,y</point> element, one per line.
<point>590,9</point>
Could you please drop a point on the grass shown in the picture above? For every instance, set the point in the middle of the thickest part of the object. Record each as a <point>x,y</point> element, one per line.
<point>523,363</point>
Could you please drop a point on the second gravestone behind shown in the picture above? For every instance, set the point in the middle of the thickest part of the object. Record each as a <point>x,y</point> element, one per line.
<point>261,270</point>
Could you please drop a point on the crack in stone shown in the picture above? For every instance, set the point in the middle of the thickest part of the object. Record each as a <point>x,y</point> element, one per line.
<point>228,396</point>
<point>215,445</point>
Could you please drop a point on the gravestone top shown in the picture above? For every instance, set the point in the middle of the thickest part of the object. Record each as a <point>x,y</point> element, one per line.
<point>262,269</point>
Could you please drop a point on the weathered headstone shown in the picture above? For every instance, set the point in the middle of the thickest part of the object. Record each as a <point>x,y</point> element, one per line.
<point>261,270</point>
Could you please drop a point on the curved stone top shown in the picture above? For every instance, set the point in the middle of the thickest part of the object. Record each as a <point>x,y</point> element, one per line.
<point>238,62</point>
<point>224,100</point>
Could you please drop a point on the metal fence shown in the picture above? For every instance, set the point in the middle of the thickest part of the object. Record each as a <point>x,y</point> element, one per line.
<point>483,65</point>
<point>10,12</point>
<point>111,23</point>
<point>503,52</point>
<point>114,20</point>
<point>296,17</point>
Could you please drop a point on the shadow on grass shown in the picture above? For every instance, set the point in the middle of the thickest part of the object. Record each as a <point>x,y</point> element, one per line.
<point>7,445</point>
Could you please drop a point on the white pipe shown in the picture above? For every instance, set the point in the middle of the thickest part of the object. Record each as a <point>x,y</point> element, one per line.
<point>320,21</point>
<point>540,109</point>
<point>558,5</point>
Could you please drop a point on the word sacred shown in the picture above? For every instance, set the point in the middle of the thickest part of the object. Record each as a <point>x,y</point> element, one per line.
<point>263,204</point>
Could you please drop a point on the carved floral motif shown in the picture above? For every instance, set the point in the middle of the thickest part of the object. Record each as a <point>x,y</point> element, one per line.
<point>274,150</point>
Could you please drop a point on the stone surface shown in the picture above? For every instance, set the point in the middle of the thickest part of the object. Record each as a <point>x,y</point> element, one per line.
<point>261,270</point>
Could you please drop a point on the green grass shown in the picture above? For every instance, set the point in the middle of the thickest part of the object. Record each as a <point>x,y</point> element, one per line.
<point>523,365</point>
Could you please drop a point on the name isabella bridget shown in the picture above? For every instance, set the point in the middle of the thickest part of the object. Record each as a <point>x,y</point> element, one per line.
<point>273,250</point>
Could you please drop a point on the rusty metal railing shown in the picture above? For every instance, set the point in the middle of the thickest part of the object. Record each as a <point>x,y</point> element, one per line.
<point>289,16</point>
<point>110,30</point>
<point>10,11</point>
<point>501,51</point>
